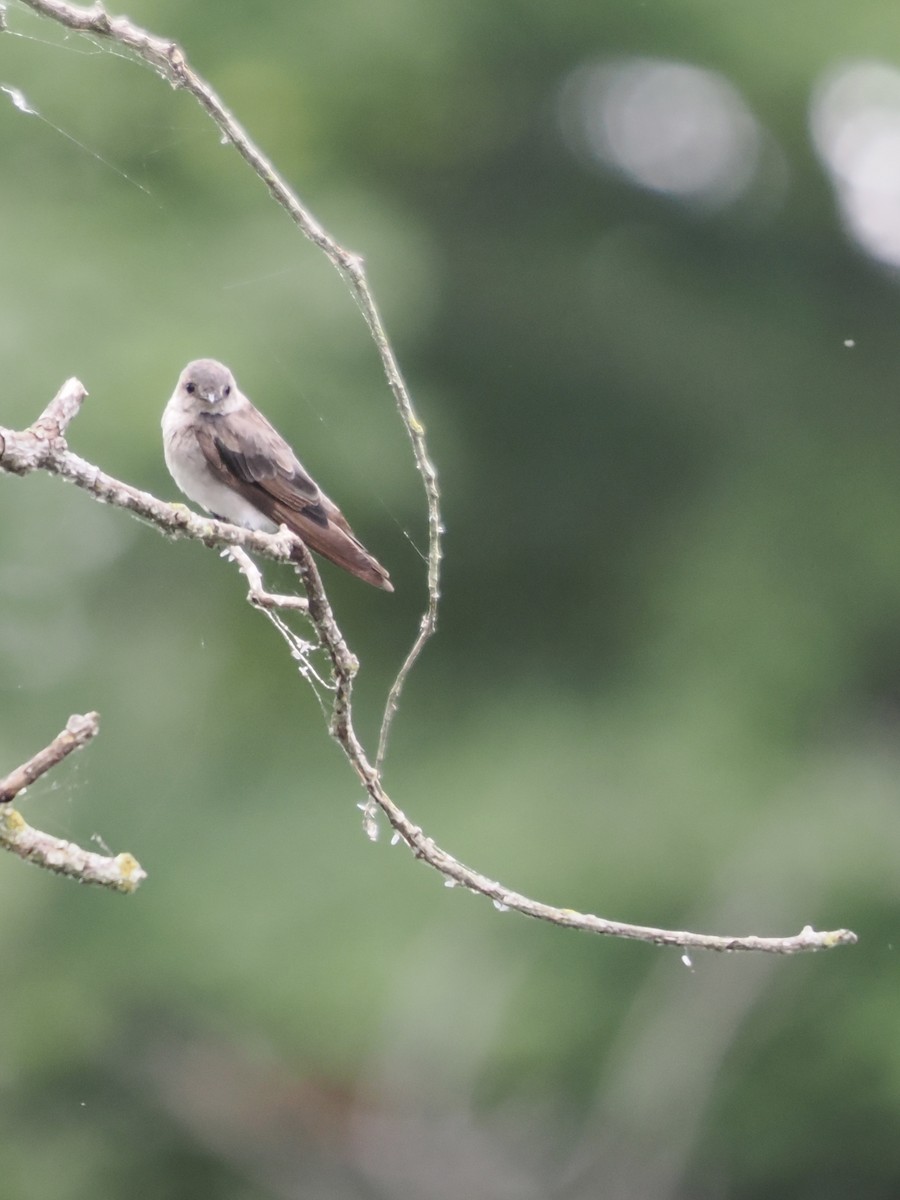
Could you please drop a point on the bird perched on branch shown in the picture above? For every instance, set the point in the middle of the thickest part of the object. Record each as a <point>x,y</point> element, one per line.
<point>225,456</point>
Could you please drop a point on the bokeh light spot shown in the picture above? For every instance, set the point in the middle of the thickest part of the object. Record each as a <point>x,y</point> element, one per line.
<point>668,126</point>
<point>855,121</point>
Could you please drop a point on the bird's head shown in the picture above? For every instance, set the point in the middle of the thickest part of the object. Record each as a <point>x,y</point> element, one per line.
<point>206,386</point>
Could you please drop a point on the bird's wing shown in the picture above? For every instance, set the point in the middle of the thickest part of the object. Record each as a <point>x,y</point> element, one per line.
<point>245,452</point>
<point>248,455</point>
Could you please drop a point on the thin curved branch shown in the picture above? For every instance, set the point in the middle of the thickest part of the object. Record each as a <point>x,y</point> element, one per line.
<point>170,61</point>
<point>121,873</point>
<point>43,447</point>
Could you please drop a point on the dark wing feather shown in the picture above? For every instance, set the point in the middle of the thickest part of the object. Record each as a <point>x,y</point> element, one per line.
<point>247,454</point>
<point>272,470</point>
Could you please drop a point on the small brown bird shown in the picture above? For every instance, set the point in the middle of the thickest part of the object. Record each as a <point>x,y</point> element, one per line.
<point>224,455</point>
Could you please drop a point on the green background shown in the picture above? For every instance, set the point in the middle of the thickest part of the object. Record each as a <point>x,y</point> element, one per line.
<point>666,686</point>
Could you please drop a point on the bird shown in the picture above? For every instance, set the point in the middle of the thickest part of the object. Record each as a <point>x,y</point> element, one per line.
<point>225,456</point>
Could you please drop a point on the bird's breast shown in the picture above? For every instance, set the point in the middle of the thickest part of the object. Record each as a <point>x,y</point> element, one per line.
<point>192,473</point>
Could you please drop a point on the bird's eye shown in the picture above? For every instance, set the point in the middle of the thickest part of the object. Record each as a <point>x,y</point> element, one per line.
<point>226,390</point>
<point>190,388</point>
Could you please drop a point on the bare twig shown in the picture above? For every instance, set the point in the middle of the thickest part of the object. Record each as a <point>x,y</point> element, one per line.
<point>78,732</point>
<point>168,58</point>
<point>257,594</point>
<point>272,605</point>
<point>43,447</point>
<point>122,873</point>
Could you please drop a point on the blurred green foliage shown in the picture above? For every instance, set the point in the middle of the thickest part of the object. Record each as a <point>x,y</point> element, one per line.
<point>667,677</point>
